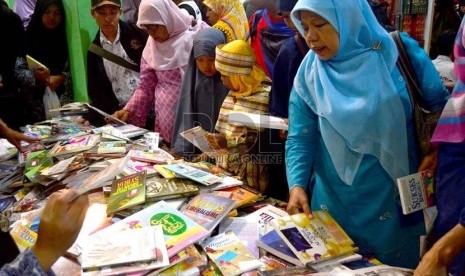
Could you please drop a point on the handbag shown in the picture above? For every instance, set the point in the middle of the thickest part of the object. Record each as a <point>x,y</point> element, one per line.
<point>425,120</point>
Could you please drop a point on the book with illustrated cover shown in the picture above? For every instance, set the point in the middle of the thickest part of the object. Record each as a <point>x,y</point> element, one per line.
<point>137,166</point>
<point>158,157</point>
<point>273,243</point>
<point>229,254</point>
<point>416,192</point>
<point>195,174</point>
<point>133,245</point>
<point>23,236</point>
<point>163,188</point>
<point>178,229</point>
<point>112,147</point>
<point>36,162</point>
<point>208,209</point>
<point>268,262</point>
<point>314,240</point>
<point>197,136</point>
<point>187,267</point>
<point>245,230</point>
<point>75,144</point>
<point>243,195</point>
<point>131,131</point>
<point>127,192</point>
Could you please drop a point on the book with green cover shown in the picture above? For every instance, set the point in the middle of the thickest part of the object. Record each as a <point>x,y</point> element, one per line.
<point>127,192</point>
<point>179,230</point>
<point>163,188</point>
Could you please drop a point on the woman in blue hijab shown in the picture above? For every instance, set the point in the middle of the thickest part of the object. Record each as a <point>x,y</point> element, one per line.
<point>350,127</point>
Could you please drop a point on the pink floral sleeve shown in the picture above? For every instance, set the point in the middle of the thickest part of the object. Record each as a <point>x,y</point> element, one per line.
<point>139,104</point>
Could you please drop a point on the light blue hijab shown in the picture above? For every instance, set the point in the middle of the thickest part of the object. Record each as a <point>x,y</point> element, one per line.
<point>359,109</point>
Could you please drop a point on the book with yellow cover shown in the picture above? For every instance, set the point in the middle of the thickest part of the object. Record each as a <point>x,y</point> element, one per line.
<point>313,240</point>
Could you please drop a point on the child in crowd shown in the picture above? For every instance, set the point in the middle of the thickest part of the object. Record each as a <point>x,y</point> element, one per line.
<point>228,16</point>
<point>237,145</point>
<point>164,62</point>
<point>202,92</point>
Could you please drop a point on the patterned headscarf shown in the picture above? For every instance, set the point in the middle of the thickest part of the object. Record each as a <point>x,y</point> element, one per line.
<point>451,125</point>
<point>339,90</point>
<point>233,20</point>
<point>237,61</point>
<point>173,53</point>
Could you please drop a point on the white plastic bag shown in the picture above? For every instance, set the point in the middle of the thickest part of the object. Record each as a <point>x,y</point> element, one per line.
<point>51,101</point>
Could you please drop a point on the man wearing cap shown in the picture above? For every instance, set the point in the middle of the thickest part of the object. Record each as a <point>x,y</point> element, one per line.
<point>111,82</point>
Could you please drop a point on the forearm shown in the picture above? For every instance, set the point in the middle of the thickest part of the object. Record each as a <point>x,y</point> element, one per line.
<point>450,245</point>
<point>46,258</point>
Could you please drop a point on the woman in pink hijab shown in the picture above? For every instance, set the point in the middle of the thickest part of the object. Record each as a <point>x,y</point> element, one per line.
<point>163,63</point>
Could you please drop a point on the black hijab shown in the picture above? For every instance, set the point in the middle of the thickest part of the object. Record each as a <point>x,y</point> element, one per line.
<point>49,47</point>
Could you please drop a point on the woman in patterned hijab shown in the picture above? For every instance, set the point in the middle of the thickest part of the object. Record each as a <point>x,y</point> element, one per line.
<point>228,16</point>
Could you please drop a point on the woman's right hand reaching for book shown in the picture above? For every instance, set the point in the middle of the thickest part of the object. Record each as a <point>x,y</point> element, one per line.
<point>298,202</point>
<point>122,115</point>
<point>42,75</point>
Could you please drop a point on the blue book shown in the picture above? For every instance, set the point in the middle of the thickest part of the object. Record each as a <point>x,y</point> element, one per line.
<point>274,244</point>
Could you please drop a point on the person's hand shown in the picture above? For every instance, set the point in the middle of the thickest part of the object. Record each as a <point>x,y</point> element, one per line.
<point>431,265</point>
<point>81,121</point>
<point>55,82</point>
<point>283,133</point>
<point>430,163</point>
<point>15,137</point>
<point>42,75</point>
<point>298,202</point>
<point>218,142</point>
<point>59,226</point>
<point>122,115</point>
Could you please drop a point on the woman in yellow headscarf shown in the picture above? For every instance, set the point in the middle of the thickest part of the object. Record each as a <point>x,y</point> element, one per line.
<point>229,17</point>
<point>239,146</point>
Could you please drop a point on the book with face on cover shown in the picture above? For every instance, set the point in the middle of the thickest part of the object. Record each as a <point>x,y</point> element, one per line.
<point>229,254</point>
<point>127,192</point>
<point>178,229</point>
<point>208,209</point>
<point>314,240</point>
<point>416,192</point>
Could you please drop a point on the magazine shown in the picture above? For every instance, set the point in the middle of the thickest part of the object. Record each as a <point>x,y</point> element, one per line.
<point>416,192</point>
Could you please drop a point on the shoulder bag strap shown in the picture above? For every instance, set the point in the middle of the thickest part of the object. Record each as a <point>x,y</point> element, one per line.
<point>408,72</point>
<point>99,51</point>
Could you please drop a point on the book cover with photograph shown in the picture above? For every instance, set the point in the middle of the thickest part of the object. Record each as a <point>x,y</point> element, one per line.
<point>314,240</point>
<point>127,192</point>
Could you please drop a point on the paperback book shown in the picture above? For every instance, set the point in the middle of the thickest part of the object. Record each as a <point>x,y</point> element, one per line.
<point>127,192</point>
<point>163,188</point>
<point>257,120</point>
<point>195,174</point>
<point>274,244</point>
<point>243,195</point>
<point>124,248</point>
<point>416,192</point>
<point>314,240</point>
<point>178,229</point>
<point>208,209</point>
<point>158,157</point>
<point>75,144</point>
<point>229,254</point>
<point>111,147</point>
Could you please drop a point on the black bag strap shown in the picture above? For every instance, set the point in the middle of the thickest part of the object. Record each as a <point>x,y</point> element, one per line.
<point>408,72</point>
<point>300,45</point>
<point>99,51</point>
